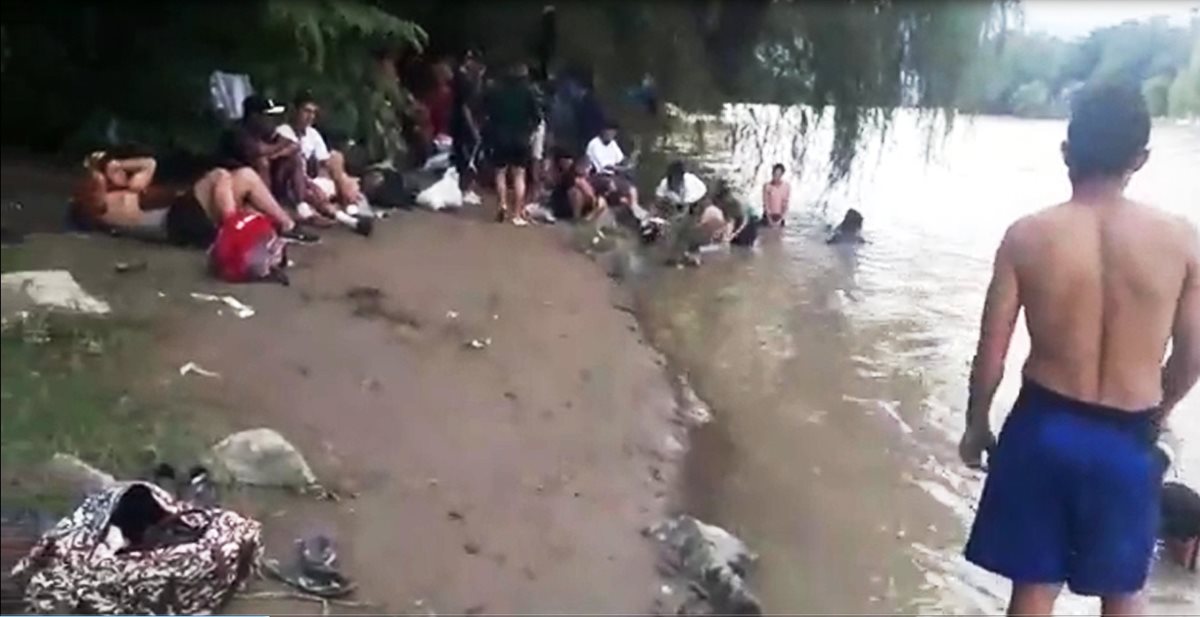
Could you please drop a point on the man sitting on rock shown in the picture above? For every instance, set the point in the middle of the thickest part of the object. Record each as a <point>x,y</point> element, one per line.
<point>119,194</point>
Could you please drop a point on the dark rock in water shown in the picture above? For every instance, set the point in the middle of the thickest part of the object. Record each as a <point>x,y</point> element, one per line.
<point>714,560</point>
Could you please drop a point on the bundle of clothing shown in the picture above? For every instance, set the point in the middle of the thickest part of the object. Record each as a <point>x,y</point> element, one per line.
<point>134,549</point>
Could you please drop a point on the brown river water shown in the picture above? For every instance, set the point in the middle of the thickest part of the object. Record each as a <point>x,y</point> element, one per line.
<point>838,376</point>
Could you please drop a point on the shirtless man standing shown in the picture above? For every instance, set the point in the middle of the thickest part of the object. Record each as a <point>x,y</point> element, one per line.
<point>120,194</point>
<point>1072,494</point>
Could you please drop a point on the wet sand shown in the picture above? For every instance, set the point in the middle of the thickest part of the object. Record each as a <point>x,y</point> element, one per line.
<point>510,479</point>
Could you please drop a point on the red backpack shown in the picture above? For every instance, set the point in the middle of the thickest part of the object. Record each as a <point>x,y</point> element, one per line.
<point>247,249</point>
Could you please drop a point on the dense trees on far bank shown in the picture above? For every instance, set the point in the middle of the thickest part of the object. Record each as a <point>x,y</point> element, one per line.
<point>71,68</point>
<point>1033,75</point>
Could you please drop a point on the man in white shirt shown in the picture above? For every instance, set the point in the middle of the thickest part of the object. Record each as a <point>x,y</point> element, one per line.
<point>680,190</point>
<point>609,177</point>
<point>335,193</point>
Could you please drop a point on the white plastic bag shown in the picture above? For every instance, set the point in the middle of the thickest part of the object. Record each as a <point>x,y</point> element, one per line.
<point>442,194</point>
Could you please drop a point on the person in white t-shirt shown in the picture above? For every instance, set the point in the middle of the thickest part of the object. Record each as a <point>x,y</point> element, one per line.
<point>608,169</point>
<point>680,190</point>
<point>333,192</point>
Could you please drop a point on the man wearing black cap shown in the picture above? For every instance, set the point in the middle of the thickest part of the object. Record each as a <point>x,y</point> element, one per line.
<point>252,142</point>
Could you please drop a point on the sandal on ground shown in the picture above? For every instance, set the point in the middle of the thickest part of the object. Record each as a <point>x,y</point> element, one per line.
<point>326,585</point>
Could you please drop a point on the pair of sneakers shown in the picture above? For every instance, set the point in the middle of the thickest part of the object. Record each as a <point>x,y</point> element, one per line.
<point>362,224</point>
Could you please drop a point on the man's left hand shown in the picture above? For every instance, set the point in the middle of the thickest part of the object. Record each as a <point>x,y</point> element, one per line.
<point>975,441</point>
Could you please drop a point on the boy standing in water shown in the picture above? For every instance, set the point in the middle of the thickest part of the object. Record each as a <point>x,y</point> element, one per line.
<point>1072,494</point>
<point>776,195</point>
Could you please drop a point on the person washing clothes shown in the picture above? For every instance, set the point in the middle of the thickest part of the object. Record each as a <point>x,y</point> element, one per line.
<point>680,190</point>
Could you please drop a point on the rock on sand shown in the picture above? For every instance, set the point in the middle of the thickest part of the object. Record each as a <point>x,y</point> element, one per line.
<point>259,457</point>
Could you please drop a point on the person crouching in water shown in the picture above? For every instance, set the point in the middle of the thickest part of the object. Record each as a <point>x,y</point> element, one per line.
<point>679,191</point>
<point>1179,528</point>
<point>741,220</point>
<point>849,231</point>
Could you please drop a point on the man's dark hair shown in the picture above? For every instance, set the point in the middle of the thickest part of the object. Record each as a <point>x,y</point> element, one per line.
<point>1109,127</point>
<point>303,97</point>
<point>778,167</point>
<point>852,222</point>
<point>675,169</point>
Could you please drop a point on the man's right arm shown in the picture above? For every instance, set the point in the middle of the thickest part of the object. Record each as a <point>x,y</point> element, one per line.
<point>1182,369</point>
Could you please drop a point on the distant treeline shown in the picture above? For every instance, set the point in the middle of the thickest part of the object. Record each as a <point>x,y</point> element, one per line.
<point>1033,75</point>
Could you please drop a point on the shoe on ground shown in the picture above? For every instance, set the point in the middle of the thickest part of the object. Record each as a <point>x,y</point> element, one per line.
<point>364,226</point>
<point>471,198</point>
<point>296,234</point>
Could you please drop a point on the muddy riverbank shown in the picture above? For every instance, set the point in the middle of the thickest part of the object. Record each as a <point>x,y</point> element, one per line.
<point>510,479</point>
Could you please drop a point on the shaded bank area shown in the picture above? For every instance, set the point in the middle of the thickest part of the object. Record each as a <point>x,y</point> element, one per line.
<point>513,478</point>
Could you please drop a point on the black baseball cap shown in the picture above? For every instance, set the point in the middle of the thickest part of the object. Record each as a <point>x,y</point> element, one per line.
<point>255,104</point>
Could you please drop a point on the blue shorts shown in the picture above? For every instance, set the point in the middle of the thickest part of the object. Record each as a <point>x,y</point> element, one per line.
<point>1072,495</point>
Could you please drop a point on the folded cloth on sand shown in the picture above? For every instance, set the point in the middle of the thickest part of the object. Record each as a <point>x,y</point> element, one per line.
<point>133,549</point>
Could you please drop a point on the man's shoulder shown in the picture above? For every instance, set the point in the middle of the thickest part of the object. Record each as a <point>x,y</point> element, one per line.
<point>286,130</point>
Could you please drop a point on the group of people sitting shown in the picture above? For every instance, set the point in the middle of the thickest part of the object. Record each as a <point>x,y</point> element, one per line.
<point>280,169</point>
<point>279,179</point>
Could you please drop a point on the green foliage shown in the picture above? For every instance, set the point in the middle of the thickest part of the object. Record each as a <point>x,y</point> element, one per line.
<point>1155,90</point>
<point>71,69</point>
<point>1033,75</point>
<point>1183,98</point>
<point>860,58</point>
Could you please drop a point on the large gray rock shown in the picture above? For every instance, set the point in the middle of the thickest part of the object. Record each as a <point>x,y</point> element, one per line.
<point>53,289</point>
<point>78,475</point>
<point>259,457</point>
<point>712,558</point>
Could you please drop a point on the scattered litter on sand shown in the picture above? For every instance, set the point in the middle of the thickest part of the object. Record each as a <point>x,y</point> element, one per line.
<point>192,367</point>
<point>127,267</point>
<point>241,309</point>
<point>54,289</point>
<point>451,315</point>
<point>713,560</point>
<point>478,343</point>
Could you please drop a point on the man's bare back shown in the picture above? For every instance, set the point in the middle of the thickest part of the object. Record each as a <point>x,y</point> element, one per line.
<point>1073,485</point>
<point>1102,286</point>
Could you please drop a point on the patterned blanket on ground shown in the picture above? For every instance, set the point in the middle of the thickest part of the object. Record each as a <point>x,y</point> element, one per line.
<point>187,560</point>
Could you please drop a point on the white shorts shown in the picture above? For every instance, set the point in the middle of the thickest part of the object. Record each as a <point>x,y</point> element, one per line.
<point>537,142</point>
<point>326,185</point>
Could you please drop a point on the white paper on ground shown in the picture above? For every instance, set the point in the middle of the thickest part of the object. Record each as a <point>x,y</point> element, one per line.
<point>192,367</point>
<point>240,308</point>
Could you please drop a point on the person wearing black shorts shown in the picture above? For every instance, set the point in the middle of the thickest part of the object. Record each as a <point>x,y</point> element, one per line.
<point>512,117</point>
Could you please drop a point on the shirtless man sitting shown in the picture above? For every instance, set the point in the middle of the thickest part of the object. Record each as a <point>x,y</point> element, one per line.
<point>1072,494</point>
<point>119,194</point>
